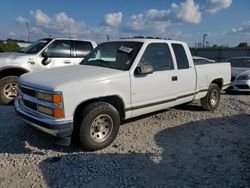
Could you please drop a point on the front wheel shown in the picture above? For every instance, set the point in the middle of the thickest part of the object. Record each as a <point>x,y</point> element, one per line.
<point>211,101</point>
<point>99,126</point>
<point>8,89</point>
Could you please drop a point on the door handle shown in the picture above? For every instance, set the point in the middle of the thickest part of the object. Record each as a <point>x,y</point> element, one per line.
<point>31,62</point>
<point>174,78</point>
<point>67,62</point>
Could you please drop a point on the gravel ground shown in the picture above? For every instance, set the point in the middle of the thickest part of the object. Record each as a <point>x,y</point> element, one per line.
<point>181,147</point>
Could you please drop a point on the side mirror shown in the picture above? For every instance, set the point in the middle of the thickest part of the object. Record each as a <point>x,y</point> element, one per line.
<point>46,60</point>
<point>144,69</point>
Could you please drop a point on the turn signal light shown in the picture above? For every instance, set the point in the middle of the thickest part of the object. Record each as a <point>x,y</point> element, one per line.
<point>58,112</point>
<point>55,112</point>
<point>56,98</point>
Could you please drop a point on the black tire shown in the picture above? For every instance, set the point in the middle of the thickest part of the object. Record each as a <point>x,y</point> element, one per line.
<point>7,83</point>
<point>211,101</point>
<point>95,132</point>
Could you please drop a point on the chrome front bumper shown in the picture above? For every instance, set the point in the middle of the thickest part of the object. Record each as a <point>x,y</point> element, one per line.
<point>58,128</point>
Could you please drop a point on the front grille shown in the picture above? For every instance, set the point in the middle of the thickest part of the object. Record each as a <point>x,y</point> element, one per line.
<point>30,104</point>
<point>29,100</point>
<point>27,91</point>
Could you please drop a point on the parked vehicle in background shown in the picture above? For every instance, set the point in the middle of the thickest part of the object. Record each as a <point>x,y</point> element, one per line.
<point>117,81</point>
<point>240,73</point>
<point>202,60</point>
<point>41,55</point>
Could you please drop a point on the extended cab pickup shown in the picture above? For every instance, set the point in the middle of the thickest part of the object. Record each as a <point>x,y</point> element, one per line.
<point>117,81</point>
<point>41,55</point>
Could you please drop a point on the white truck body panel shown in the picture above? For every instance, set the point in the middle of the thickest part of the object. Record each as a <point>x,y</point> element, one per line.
<point>33,62</point>
<point>80,79</point>
<point>41,55</point>
<point>159,86</point>
<point>9,60</point>
<point>205,76</point>
<point>140,94</point>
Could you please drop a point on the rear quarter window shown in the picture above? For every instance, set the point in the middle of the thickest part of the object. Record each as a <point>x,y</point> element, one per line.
<point>181,56</point>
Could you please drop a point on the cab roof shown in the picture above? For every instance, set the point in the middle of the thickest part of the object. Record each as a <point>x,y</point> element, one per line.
<point>149,40</point>
<point>65,38</point>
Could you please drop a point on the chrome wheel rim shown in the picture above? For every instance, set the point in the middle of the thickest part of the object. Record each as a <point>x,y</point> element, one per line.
<point>214,97</point>
<point>10,90</point>
<point>101,128</point>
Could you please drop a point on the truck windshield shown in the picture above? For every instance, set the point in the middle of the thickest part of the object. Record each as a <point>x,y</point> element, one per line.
<point>114,55</point>
<point>35,46</point>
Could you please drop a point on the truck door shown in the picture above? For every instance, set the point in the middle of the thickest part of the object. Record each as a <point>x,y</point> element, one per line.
<point>186,76</point>
<point>154,91</point>
<point>58,54</point>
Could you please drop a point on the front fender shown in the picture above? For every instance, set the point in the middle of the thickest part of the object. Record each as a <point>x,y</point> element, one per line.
<point>12,71</point>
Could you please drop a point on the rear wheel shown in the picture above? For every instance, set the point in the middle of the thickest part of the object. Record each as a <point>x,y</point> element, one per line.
<point>211,101</point>
<point>99,126</point>
<point>8,89</point>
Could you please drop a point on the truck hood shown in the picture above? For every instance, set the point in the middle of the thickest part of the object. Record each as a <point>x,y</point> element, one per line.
<point>240,71</point>
<point>56,78</point>
<point>12,55</point>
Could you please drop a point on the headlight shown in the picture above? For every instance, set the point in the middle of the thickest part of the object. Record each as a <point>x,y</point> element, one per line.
<point>45,110</point>
<point>55,112</point>
<point>55,98</point>
<point>244,77</point>
<point>54,108</point>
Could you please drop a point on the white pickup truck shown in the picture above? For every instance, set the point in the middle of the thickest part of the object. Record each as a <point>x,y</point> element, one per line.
<point>117,81</point>
<point>41,55</point>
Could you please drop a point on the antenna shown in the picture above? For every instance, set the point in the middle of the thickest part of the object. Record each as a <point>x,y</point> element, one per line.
<point>27,27</point>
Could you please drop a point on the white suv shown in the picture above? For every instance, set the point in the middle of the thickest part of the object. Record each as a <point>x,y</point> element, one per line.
<point>41,55</point>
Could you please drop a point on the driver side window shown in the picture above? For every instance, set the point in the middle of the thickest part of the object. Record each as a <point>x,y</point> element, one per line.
<point>158,55</point>
<point>59,48</point>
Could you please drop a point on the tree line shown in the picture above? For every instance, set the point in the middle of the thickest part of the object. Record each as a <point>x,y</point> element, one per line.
<point>9,45</point>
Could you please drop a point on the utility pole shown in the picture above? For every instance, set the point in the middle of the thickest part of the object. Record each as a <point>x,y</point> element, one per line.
<point>204,38</point>
<point>27,27</point>
<point>108,37</point>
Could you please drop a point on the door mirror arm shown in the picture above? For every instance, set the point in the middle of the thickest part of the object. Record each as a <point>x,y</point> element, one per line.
<point>44,53</point>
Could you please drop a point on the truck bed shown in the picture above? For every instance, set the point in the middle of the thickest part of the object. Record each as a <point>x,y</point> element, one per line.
<point>206,73</point>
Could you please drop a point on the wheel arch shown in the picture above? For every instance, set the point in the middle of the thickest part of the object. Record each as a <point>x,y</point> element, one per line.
<point>114,100</point>
<point>12,71</point>
<point>219,82</point>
